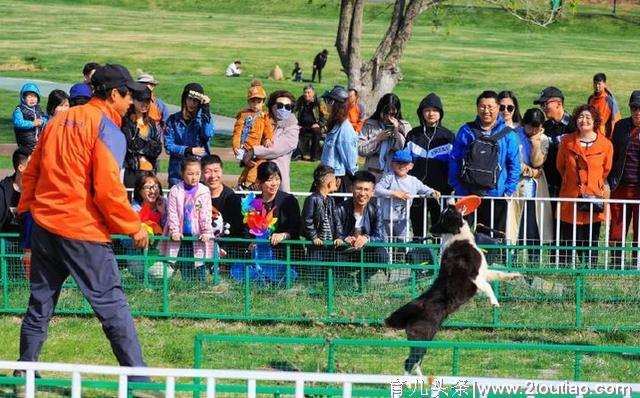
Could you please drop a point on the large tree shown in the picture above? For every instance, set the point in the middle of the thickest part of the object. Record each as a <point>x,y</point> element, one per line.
<point>380,74</point>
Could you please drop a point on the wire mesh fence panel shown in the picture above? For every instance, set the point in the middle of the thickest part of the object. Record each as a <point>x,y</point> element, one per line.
<point>611,300</point>
<point>622,367</point>
<point>296,281</point>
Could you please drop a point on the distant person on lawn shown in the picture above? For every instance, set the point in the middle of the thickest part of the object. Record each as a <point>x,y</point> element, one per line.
<point>233,70</point>
<point>319,63</point>
<point>76,205</point>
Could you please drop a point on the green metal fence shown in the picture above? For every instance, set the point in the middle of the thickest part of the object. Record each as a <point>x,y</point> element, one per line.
<point>455,358</point>
<point>361,287</point>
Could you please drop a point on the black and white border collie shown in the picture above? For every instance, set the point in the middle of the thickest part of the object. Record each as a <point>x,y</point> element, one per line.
<point>463,271</point>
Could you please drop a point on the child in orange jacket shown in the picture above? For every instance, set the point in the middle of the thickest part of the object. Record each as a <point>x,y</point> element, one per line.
<point>252,128</point>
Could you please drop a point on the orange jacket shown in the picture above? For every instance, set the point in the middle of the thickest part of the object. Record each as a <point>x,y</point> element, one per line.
<point>607,108</point>
<point>72,183</point>
<point>595,164</point>
<point>261,129</point>
<point>356,116</point>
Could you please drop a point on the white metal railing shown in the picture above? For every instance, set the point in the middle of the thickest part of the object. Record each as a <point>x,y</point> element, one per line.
<point>299,379</point>
<point>547,206</point>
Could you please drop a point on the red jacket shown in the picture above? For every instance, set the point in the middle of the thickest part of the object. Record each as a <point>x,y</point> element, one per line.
<point>72,183</point>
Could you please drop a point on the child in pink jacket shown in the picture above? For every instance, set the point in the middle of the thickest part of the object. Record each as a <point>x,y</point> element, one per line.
<point>189,214</point>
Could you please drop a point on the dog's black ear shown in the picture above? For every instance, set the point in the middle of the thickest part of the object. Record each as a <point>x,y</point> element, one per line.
<point>450,222</point>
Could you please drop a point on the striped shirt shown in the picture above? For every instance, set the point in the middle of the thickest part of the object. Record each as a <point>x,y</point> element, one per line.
<point>630,174</point>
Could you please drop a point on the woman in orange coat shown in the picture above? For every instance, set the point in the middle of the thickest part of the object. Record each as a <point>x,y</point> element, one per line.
<point>584,161</point>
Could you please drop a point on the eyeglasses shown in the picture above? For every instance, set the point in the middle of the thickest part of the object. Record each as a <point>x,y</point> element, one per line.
<point>508,108</point>
<point>280,105</point>
<point>634,108</point>
<point>150,188</point>
<point>487,107</point>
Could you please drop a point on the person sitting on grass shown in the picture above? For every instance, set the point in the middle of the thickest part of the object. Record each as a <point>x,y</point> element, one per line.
<point>189,214</point>
<point>396,189</point>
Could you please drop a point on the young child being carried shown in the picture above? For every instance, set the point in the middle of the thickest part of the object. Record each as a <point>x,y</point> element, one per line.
<point>189,214</point>
<point>28,118</point>
<point>396,189</point>
<point>252,128</point>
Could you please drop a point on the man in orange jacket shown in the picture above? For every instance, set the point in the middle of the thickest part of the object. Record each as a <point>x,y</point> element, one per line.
<point>73,192</point>
<point>605,103</point>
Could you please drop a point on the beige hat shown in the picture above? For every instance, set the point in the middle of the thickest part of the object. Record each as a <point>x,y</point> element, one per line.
<point>147,79</point>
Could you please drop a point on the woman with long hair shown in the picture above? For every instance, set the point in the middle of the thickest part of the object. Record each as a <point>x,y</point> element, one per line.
<point>144,140</point>
<point>383,134</point>
<point>340,149</point>
<point>509,109</point>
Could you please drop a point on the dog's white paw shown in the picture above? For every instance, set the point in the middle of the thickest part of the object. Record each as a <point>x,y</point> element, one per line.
<point>495,303</point>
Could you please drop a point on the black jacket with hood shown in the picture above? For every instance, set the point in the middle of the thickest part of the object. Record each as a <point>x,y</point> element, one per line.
<point>433,172</point>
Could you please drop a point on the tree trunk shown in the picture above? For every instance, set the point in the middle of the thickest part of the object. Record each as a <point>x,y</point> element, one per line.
<point>381,73</point>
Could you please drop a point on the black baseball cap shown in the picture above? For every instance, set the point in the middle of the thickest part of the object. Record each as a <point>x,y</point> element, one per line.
<point>142,95</point>
<point>635,98</point>
<point>113,76</point>
<point>547,93</point>
<point>338,94</point>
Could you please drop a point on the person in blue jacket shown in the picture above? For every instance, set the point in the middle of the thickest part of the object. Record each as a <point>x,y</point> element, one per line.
<point>28,119</point>
<point>488,122</point>
<point>189,131</point>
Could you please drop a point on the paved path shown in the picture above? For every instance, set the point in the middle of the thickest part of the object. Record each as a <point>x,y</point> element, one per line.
<point>224,125</point>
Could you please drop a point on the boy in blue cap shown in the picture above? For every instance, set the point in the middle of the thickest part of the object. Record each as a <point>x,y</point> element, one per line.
<point>396,190</point>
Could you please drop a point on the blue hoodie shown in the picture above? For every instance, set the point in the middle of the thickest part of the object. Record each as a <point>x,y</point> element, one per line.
<point>26,133</point>
<point>509,159</point>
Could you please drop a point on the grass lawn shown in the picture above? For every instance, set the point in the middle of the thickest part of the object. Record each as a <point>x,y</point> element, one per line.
<point>169,343</point>
<point>456,52</point>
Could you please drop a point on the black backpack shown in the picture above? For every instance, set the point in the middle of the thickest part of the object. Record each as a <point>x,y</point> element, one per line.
<point>481,163</point>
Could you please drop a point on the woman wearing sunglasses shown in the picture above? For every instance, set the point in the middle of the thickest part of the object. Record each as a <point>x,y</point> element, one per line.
<point>281,105</point>
<point>509,109</point>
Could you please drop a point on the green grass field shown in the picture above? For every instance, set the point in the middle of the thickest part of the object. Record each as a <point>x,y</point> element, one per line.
<point>456,52</point>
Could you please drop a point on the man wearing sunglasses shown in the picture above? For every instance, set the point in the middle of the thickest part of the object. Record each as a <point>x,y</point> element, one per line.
<point>551,102</point>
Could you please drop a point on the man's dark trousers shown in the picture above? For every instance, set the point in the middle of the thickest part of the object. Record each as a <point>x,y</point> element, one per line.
<point>94,268</point>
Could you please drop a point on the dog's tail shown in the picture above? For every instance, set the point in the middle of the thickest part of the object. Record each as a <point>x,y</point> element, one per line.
<point>400,317</point>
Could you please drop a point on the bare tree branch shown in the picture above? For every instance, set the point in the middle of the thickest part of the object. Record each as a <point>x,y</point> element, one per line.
<point>540,16</point>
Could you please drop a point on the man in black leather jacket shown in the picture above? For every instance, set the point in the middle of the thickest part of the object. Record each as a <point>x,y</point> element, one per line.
<point>358,221</point>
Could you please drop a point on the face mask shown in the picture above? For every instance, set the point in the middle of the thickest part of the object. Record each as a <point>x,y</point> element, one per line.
<point>282,114</point>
